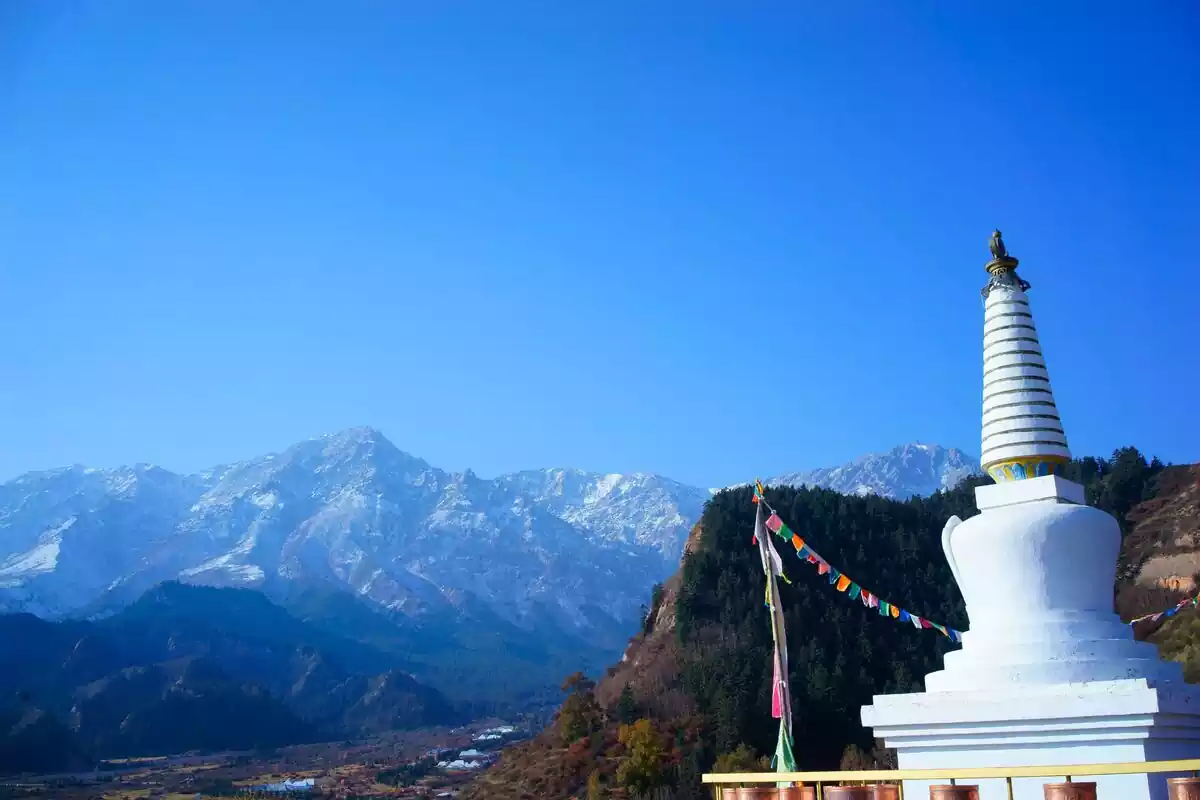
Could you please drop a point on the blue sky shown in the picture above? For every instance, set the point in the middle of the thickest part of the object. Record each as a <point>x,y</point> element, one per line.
<point>706,239</point>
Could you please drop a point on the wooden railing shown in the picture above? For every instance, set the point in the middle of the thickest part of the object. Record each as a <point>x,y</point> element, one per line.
<point>949,775</point>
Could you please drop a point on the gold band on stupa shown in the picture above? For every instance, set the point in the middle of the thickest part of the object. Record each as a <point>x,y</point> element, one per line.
<point>1018,469</point>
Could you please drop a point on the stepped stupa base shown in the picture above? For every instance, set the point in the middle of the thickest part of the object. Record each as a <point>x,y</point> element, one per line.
<point>1098,722</point>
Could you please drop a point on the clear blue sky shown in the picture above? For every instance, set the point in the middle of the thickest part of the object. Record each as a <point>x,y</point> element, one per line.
<point>707,239</point>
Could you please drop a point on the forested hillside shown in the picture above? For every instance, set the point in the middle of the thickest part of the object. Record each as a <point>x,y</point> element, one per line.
<point>693,688</point>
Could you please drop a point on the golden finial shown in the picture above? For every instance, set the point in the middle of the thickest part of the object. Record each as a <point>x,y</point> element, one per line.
<point>1001,260</point>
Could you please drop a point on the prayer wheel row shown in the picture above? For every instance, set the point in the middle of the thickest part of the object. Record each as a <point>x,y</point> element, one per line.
<point>877,792</point>
<point>1179,789</point>
<point>764,792</point>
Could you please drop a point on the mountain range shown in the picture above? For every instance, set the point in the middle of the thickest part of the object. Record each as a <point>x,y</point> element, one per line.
<point>350,510</point>
<point>354,511</point>
<point>541,571</point>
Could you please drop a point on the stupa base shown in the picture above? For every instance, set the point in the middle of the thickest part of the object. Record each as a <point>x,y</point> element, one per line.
<point>1107,722</point>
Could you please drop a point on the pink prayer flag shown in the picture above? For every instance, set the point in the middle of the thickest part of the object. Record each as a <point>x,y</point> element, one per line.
<point>774,523</point>
<point>777,694</point>
<point>822,567</point>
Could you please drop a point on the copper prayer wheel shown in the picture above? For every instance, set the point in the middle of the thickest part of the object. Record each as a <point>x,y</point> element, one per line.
<point>798,793</point>
<point>1183,788</point>
<point>1070,791</point>
<point>847,793</point>
<point>885,791</point>
<point>953,793</point>
<point>771,793</point>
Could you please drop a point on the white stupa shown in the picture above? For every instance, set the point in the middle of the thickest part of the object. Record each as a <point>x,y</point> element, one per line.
<point>1047,674</point>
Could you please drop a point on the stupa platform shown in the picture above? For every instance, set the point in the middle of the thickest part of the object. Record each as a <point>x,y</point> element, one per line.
<point>1098,722</point>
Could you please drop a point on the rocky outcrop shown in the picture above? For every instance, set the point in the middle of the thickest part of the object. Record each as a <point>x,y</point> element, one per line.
<point>1161,552</point>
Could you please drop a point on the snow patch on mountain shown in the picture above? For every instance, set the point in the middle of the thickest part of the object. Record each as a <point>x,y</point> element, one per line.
<point>41,558</point>
<point>639,508</point>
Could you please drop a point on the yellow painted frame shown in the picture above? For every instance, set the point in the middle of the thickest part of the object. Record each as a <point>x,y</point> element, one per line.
<point>1068,771</point>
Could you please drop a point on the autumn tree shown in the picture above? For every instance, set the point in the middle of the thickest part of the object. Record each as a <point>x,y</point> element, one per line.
<point>741,759</point>
<point>580,714</point>
<point>642,768</point>
<point>595,790</point>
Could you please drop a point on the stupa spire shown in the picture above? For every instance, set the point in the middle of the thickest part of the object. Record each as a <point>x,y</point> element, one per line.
<point>1022,434</point>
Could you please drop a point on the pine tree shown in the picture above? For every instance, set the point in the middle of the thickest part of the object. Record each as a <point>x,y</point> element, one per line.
<point>627,707</point>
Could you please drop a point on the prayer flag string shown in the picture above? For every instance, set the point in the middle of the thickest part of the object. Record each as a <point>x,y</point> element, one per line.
<point>837,578</point>
<point>854,591</point>
<point>1170,612</point>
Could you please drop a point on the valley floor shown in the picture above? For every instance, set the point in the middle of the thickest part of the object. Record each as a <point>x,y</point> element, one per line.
<point>337,769</point>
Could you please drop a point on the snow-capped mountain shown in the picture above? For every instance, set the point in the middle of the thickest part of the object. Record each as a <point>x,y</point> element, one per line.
<point>578,549</point>
<point>900,473</point>
<point>574,550</point>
